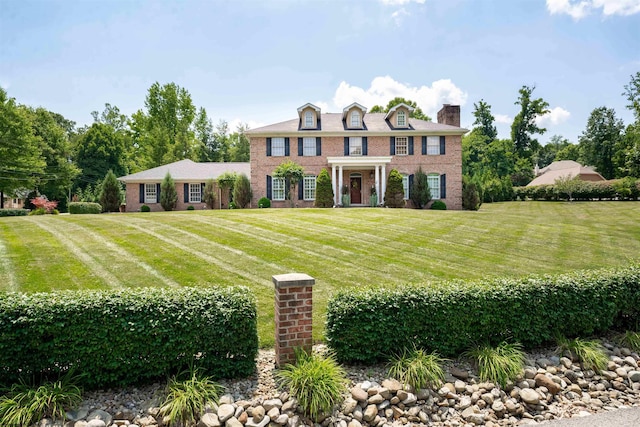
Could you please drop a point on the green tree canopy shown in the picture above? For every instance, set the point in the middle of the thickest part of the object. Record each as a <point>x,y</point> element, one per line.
<point>632,93</point>
<point>292,173</point>
<point>600,139</point>
<point>484,120</point>
<point>100,149</point>
<point>524,124</point>
<point>417,112</point>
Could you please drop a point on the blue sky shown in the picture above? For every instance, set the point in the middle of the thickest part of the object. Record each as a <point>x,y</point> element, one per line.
<point>257,61</point>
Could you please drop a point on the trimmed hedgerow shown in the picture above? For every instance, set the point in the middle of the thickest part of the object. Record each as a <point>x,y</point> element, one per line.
<point>615,189</point>
<point>364,325</point>
<point>129,336</point>
<point>13,212</point>
<point>84,208</point>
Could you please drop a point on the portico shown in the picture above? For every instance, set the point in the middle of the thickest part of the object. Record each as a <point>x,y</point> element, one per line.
<point>358,166</point>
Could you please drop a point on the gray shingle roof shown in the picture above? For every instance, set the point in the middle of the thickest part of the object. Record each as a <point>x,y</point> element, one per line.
<point>373,122</point>
<point>188,170</point>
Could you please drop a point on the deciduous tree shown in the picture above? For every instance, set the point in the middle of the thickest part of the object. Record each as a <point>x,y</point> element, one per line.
<point>524,124</point>
<point>485,120</point>
<point>600,139</point>
<point>417,112</point>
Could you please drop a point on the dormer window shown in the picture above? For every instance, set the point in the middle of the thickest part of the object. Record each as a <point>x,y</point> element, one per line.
<point>355,119</point>
<point>309,116</point>
<point>401,119</point>
<point>308,119</point>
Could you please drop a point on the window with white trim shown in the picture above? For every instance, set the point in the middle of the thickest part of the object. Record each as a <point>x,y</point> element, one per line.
<point>150,194</point>
<point>355,119</point>
<point>277,187</point>
<point>405,186</point>
<point>308,119</point>
<point>277,146</point>
<point>433,145</point>
<point>402,145</point>
<point>355,146</point>
<point>433,180</point>
<point>309,146</point>
<point>401,118</point>
<point>195,193</point>
<point>310,187</point>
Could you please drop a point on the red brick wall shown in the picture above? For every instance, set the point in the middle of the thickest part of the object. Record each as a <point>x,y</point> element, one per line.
<point>132,198</point>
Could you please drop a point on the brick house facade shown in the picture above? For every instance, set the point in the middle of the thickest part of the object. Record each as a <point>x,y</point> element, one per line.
<point>358,149</point>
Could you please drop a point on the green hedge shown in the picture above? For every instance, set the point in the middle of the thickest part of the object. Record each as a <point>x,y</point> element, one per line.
<point>366,325</point>
<point>13,212</point>
<point>128,336</point>
<point>615,189</point>
<point>84,208</point>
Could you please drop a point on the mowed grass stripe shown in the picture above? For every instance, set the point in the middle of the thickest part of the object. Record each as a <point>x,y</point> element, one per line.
<point>7,274</point>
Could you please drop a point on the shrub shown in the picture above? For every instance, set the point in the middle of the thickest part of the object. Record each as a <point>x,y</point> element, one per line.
<point>23,405</point>
<point>233,205</point>
<point>168,193</point>
<point>316,381</point>
<point>38,211</point>
<point>209,195</point>
<point>419,192</point>
<point>590,353</point>
<point>41,203</point>
<point>84,208</point>
<point>99,333</point>
<point>417,368</point>
<point>324,190</point>
<point>439,205</point>
<point>186,399</point>
<point>145,208</point>
<point>623,189</point>
<point>264,202</point>
<point>499,364</point>
<point>190,208</point>
<point>13,212</point>
<point>110,193</point>
<point>394,194</point>
<point>470,197</point>
<point>449,317</point>
<point>242,193</point>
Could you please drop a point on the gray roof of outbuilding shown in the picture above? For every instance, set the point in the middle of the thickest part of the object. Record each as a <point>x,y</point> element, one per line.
<point>188,170</point>
<point>373,122</point>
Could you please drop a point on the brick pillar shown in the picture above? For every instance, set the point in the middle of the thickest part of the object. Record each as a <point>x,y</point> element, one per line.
<point>294,305</point>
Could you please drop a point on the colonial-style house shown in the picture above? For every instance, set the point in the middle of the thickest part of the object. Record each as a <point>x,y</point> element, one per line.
<point>143,188</point>
<point>359,149</point>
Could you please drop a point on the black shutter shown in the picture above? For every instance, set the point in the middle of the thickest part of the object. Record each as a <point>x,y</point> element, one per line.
<point>202,185</point>
<point>365,146</point>
<point>410,185</point>
<point>424,145</point>
<point>268,147</point>
<point>392,146</point>
<point>300,151</point>
<point>318,146</point>
<point>141,193</point>
<point>158,193</point>
<point>443,186</point>
<point>411,146</point>
<point>346,145</point>
<point>442,145</point>
<point>269,188</point>
<point>186,193</point>
<point>301,189</point>
<point>286,147</point>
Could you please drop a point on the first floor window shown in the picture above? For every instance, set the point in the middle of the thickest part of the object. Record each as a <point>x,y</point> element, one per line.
<point>309,146</point>
<point>402,145</point>
<point>150,194</point>
<point>433,145</point>
<point>355,146</point>
<point>195,193</point>
<point>278,188</point>
<point>433,180</point>
<point>277,146</point>
<point>405,186</point>
<point>310,187</point>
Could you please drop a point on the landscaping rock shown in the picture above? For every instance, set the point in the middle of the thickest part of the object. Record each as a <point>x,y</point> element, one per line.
<point>225,411</point>
<point>529,396</point>
<point>209,420</point>
<point>544,381</point>
<point>359,394</point>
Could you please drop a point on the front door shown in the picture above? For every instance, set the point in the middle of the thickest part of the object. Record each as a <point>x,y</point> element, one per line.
<point>356,190</point>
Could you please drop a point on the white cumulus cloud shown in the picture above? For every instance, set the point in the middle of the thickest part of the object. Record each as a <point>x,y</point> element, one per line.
<point>578,9</point>
<point>398,15</point>
<point>503,118</point>
<point>384,89</point>
<point>555,116</point>
<point>400,2</point>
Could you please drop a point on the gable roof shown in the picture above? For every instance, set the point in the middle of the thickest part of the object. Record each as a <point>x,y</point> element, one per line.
<point>187,170</point>
<point>563,168</point>
<point>373,123</point>
<point>395,107</point>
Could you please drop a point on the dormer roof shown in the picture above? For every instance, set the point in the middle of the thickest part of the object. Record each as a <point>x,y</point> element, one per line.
<point>308,105</point>
<point>396,107</point>
<point>350,107</point>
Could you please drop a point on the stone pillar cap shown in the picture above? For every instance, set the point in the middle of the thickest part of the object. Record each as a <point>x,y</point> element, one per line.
<point>293,280</point>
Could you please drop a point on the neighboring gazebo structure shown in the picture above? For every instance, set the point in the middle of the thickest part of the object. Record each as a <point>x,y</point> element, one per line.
<point>563,168</point>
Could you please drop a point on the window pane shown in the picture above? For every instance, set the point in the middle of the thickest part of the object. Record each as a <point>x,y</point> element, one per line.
<point>433,145</point>
<point>355,146</point>
<point>277,146</point>
<point>355,119</point>
<point>309,187</point>
<point>405,186</point>
<point>150,195</point>
<point>277,185</point>
<point>308,119</point>
<point>401,119</point>
<point>434,185</point>
<point>309,146</point>
<point>194,193</point>
<point>401,145</point>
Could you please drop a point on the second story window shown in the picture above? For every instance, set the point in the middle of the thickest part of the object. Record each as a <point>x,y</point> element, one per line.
<point>355,119</point>
<point>402,145</point>
<point>355,146</point>
<point>433,145</point>
<point>309,146</point>
<point>308,119</point>
<point>277,146</point>
<point>401,119</point>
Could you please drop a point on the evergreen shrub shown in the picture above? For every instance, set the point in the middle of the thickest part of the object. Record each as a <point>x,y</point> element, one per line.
<point>439,205</point>
<point>145,208</point>
<point>13,212</point>
<point>84,208</point>
<point>264,202</point>
<point>324,190</point>
<point>364,324</point>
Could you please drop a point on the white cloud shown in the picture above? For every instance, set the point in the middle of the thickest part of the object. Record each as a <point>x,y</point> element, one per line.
<point>398,15</point>
<point>384,89</point>
<point>578,9</point>
<point>555,116</point>
<point>324,106</point>
<point>503,118</point>
<point>400,2</point>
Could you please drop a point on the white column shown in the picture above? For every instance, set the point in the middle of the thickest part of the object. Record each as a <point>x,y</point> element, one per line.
<point>340,184</point>
<point>378,183</point>
<point>333,185</point>
<point>384,182</point>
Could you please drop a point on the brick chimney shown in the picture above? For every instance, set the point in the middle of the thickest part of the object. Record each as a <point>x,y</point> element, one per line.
<point>449,115</point>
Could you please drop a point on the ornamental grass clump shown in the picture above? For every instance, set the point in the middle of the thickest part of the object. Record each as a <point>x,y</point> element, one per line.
<point>499,364</point>
<point>417,368</point>
<point>316,381</point>
<point>590,353</point>
<point>630,339</point>
<point>23,404</point>
<point>186,399</point>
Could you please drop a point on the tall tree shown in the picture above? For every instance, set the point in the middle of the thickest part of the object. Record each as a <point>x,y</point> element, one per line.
<point>599,140</point>
<point>168,193</point>
<point>99,150</point>
<point>484,120</point>
<point>239,144</point>
<point>111,116</point>
<point>417,112</point>
<point>221,138</point>
<point>547,153</point>
<point>524,124</point>
<point>110,193</point>
<point>632,92</point>
<point>204,134</point>
<point>20,153</point>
